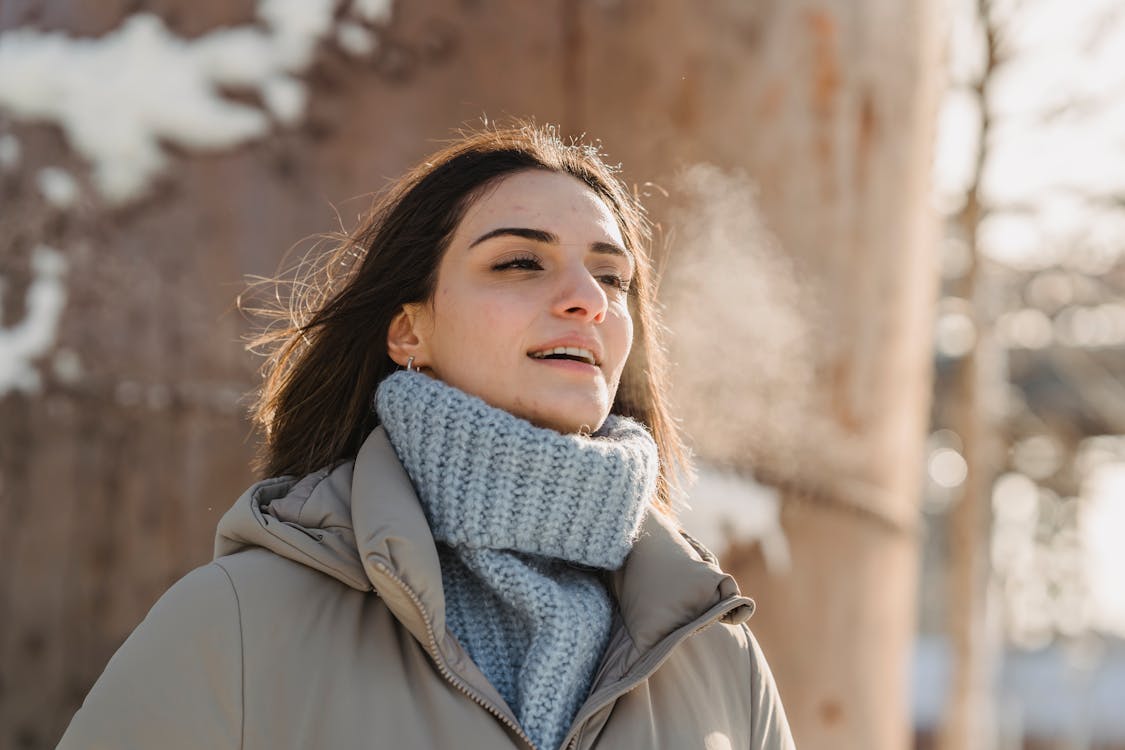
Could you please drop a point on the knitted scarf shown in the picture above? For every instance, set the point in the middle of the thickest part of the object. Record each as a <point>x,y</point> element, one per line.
<point>523,515</point>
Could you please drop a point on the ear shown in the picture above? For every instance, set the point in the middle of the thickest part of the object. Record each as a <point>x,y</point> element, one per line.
<point>404,337</point>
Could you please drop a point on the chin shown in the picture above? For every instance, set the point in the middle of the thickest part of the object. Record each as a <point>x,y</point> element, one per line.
<point>566,411</point>
<point>569,421</point>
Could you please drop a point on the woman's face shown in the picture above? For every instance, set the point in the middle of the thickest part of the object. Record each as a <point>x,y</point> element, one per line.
<point>530,311</point>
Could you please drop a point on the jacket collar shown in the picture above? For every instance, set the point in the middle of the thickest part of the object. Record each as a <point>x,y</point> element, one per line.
<point>362,524</point>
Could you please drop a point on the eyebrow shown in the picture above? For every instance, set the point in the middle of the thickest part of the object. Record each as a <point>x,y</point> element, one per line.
<point>549,238</point>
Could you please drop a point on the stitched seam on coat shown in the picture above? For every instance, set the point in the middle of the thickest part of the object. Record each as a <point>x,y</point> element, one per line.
<point>241,660</point>
<point>351,581</point>
<point>324,474</point>
<point>315,561</point>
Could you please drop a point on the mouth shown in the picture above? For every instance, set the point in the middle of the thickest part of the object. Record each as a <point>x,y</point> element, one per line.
<point>571,353</point>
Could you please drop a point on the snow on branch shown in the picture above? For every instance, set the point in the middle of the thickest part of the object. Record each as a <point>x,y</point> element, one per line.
<point>727,508</point>
<point>34,335</point>
<point>118,97</point>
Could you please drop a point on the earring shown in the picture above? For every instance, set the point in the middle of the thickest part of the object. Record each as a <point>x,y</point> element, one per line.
<point>409,362</point>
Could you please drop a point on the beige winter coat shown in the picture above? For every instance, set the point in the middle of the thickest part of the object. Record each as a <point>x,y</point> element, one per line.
<point>321,624</point>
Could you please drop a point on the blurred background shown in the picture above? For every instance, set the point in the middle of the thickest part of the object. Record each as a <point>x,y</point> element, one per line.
<point>890,234</point>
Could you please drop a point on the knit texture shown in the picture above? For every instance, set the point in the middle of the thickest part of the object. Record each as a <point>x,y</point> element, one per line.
<point>515,508</point>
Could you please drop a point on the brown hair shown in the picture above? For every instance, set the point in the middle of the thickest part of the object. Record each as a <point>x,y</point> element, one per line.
<point>327,350</point>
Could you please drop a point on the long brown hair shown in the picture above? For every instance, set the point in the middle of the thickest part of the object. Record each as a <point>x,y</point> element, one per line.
<point>326,351</point>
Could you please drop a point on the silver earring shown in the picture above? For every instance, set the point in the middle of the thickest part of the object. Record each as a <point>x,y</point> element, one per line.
<point>409,362</point>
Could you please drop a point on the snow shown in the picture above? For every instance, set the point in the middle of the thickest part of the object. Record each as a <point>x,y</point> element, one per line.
<point>285,98</point>
<point>119,97</point>
<point>355,39</point>
<point>725,507</point>
<point>33,336</point>
<point>297,26</point>
<point>373,11</point>
<point>58,186</point>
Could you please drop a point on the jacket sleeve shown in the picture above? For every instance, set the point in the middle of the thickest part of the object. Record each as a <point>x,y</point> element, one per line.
<point>176,682</point>
<point>769,729</point>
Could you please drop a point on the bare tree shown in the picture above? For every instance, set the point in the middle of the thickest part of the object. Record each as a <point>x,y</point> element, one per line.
<point>968,721</point>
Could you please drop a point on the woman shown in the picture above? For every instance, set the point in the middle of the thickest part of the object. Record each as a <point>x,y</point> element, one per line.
<point>467,538</point>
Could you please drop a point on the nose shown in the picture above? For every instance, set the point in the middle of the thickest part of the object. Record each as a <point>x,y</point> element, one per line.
<point>581,296</point>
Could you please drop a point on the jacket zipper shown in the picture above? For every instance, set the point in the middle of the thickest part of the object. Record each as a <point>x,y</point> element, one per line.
<point>450,676</point>
<point>626,686</point>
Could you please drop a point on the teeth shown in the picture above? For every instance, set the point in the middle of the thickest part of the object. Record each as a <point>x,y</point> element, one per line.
<point>572,351</point>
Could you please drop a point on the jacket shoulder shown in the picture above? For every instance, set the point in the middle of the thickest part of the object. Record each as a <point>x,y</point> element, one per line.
<point>769,725</point>
<point>716,683</point>
<point>258,576</point>
<point>177,679</point>
<point>291,608</point>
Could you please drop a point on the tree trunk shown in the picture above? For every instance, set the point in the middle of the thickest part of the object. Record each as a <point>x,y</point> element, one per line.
<point>828,106</point>
<point>968,722</point>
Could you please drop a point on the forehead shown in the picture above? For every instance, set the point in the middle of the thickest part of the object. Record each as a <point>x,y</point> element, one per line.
<point>538,199</point>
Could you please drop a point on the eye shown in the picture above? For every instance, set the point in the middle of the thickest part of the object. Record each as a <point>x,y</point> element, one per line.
<point>616,281</point>
<point>614,277</point>
<point>522,263</point>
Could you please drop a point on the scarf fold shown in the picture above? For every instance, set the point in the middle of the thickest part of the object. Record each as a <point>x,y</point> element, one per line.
<point>524,517</point>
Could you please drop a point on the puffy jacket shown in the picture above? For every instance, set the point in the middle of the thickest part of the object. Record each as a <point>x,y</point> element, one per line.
<point>321,624</point>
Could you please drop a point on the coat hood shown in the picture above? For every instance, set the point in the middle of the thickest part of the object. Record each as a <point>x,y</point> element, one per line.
<point>362,524</point>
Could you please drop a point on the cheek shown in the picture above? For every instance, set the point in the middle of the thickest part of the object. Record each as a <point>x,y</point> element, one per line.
<point>624,331</point>
<point>483,323</point>
<point>490,315</point>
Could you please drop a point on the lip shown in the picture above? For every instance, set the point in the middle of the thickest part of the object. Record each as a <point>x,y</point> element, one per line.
<point>582,342</point>
<point>569,365</point>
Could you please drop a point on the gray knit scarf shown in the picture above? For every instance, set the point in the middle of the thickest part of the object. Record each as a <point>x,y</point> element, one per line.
<point>522,515</point>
